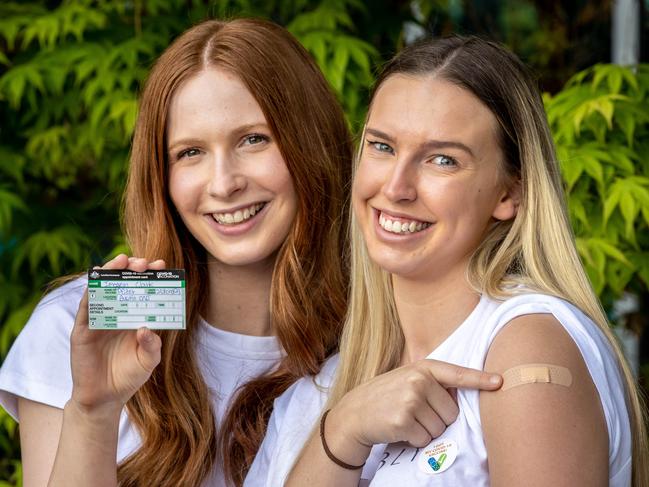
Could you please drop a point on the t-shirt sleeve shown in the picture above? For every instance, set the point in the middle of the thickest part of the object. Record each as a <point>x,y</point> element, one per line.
<point>259,473</point>
<point>37,366</point>
<point>295,414</point>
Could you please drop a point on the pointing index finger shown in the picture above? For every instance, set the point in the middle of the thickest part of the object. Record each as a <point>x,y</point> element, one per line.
<point>450,375</point>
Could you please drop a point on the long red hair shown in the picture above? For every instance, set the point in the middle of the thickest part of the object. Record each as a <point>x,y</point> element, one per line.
<point>172,411</point>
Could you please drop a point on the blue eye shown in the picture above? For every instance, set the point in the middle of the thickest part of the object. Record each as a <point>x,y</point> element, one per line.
<point>442,160</point>
<point>380,146</point>
<point>254,139</point>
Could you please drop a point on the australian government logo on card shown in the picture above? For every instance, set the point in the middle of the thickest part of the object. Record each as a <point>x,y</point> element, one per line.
<point>123,299</point>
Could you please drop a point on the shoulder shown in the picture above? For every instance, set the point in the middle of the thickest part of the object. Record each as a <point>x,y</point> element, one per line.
<point>526,303</point>
<point>543,417</point>
<point>37,366</point>
<point>530,338</point>
<point>53,317</point>
<point>297,410</point>
<point>310,392</point>
<point>294,416</point>
<point>63,300</point>
<point>555,324</point>
<point>537,328</point>
<point>54,314</point>
<point>326,376</point>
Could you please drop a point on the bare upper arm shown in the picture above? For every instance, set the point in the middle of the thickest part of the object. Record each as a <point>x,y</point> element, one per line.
<point>40,429</point>
<point>543,434</point>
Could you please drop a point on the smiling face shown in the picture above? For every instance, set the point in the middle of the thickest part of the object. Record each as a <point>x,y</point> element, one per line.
<point>227,178</point>
<point>429,180</point>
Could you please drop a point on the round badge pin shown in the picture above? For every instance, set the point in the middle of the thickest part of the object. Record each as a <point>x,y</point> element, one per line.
<point>438,456</point>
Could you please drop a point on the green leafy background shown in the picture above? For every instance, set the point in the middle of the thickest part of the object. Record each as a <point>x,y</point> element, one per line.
<point>69,78</point>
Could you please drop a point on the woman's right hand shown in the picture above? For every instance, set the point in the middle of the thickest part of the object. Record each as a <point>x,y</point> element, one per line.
<point>109,366</point>
<point>414,403</point>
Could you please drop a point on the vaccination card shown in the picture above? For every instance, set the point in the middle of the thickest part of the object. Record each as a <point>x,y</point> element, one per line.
<point>124,300</point>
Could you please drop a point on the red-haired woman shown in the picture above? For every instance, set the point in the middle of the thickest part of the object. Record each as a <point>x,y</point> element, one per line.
<point>238,172</point>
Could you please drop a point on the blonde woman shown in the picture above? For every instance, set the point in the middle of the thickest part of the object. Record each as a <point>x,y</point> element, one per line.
<point>462,252</point>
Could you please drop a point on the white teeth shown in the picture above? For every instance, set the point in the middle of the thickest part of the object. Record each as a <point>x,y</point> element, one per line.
<point>402,227</point>
<point>238,216</point>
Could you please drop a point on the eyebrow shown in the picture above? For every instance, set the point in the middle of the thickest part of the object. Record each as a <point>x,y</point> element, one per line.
<point>431,144</point>
<point>182,142</point>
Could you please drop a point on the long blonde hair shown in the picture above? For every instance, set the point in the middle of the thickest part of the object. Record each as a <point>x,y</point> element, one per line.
<point>536,248</point>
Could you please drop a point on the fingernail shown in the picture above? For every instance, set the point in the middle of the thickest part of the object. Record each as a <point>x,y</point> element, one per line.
<point>494,379</point>
<point>148,335</point>
<point>132,259</point>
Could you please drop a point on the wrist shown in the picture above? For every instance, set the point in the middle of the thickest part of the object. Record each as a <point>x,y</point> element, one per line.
<point>104,413</point>
<point>95,428</point>
<point>342,441</point>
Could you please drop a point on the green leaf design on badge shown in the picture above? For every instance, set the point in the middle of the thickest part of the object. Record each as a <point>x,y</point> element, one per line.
<point>437,464</point>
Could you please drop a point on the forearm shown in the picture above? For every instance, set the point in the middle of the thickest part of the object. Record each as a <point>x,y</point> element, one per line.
<point>87,449</point>
<point>314,467</point>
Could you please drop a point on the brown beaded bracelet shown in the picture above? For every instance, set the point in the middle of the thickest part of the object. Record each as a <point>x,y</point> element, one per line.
<point>331,456</point>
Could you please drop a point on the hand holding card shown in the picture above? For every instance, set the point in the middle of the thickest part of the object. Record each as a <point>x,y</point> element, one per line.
<point>109,366</point>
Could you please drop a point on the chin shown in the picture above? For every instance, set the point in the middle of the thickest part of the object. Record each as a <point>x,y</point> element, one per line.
<point>397,265</point>
<point>244,259</point>
<point>400,270</point>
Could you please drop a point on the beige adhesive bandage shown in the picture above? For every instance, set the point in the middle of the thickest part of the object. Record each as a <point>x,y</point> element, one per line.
<point>536,373</point>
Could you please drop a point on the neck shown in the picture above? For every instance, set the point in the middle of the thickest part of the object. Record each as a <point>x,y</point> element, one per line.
<point>429,311</point>
<point>239,297</point>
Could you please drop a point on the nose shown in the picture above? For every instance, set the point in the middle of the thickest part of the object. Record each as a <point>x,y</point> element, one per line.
<point>400,185</point>
<point>226,179</point>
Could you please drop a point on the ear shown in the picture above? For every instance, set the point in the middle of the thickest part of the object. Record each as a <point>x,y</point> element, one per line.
<point>507,206</point>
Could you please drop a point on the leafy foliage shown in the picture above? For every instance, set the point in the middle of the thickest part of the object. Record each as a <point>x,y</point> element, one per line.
<point>344,59</point>
<point>69,79</point>
<point>70,72</point>
<point>600,122</point>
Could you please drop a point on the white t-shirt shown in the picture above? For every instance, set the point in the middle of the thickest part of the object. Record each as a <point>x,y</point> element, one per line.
<point>38,364</point>
<point>295,415</point>
<point>400,464</point>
